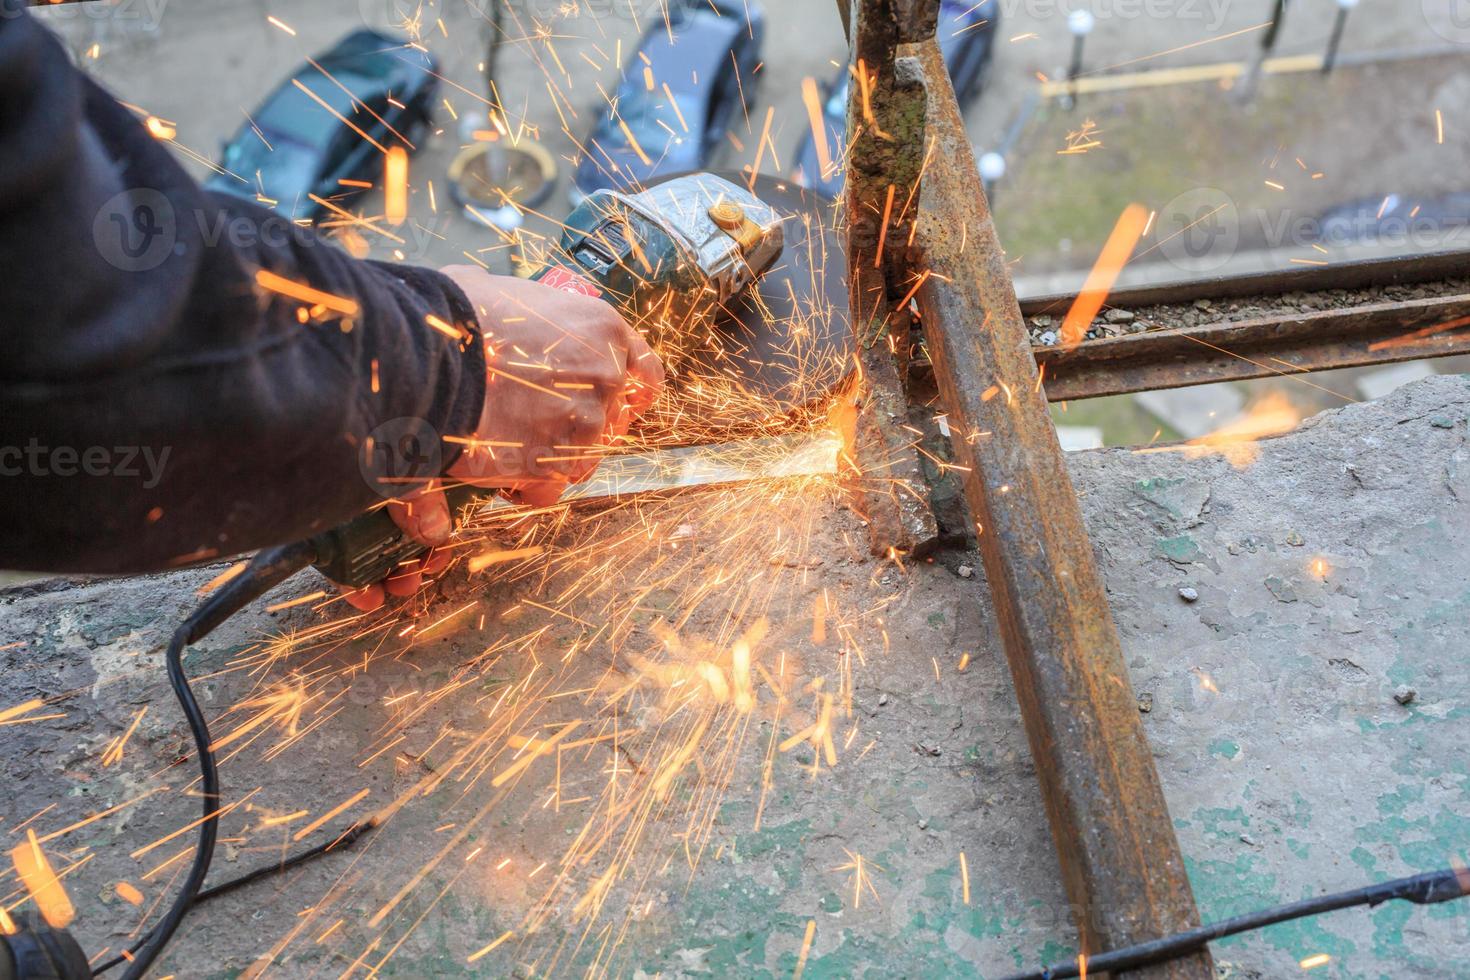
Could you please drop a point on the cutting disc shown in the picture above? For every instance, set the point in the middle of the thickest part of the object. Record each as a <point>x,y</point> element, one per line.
<point>784,347</point>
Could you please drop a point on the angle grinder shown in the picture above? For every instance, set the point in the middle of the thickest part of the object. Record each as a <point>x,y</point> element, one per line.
<point>665,258</point>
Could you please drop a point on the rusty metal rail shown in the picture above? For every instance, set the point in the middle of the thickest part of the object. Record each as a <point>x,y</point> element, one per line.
<point>1350,314</point>
<point>919,228</point>
<point>1375,273</point>
<point>1120,860</point>
<point>1287,342</point>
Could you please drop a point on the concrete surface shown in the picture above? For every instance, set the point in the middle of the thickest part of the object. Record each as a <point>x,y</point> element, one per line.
<point>1330,573</point>
<point>1289,767</point>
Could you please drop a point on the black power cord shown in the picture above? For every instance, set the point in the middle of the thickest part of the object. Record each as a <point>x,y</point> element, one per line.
<point>339,843</point>
<point>265,571</point>
<point>38,952</point>
<point>1425,889</point>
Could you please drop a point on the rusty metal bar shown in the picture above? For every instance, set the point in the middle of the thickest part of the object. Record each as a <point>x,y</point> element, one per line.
<point>885,120</point>
<point>1120,861</point>
<point>1378,273</point>
<point>1284,343</point>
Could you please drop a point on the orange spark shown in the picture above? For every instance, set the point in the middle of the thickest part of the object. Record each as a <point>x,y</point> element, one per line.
<point>114,752</point>
<point>1104,274</point>
<point>476,955</point>
<point>447,329</point>
<point>806,948</point>
<point>41,882</point>
<point>301,601</point>
<point>395,185</point>
<point>21,709</point>
<point>333,812</point>
<point>483,561</point>
<point>304,293</point>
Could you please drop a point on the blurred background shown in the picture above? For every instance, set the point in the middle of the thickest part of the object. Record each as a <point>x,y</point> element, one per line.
<point>1260,134</point>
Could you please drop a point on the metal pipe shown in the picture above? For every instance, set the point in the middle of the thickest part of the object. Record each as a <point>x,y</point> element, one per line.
<point>1268,40</point>
<point>1344,7</point>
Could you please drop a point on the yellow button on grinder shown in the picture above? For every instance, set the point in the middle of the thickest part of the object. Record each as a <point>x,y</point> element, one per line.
<point>728,215</point>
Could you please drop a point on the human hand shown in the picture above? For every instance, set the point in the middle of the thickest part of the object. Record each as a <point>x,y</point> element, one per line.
<point>565,377</point>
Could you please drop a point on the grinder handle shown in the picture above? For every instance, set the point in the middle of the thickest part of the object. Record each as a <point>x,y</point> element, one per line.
<point>367,548</point>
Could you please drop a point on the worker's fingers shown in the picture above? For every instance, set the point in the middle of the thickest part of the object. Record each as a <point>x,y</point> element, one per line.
<point>405,579</point>
<point>540,494</point>
<point>425,517</point>
<point>436,561</point>
<point>645,373</point>
<point>366,599</point>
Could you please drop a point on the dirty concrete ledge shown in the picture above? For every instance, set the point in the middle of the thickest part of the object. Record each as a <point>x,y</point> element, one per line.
<point>1275,611</point>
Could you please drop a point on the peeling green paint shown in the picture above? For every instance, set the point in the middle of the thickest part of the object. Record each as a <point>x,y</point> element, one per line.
<point>1224,748</point>
<point>1182,549</point>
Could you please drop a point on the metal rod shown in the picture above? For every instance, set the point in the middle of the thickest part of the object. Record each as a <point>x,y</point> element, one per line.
<point>1102,793</point>
<point>1280,344</point>
<point>1073,70</point>
<point>1373,273</point>
<point>1268,40</point>
<point>1335,41</point>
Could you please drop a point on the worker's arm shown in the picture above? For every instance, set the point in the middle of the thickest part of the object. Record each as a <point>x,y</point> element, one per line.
<point>157,406</point>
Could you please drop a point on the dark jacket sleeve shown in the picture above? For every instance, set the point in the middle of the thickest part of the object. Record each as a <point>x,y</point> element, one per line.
<point>158,405</point>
